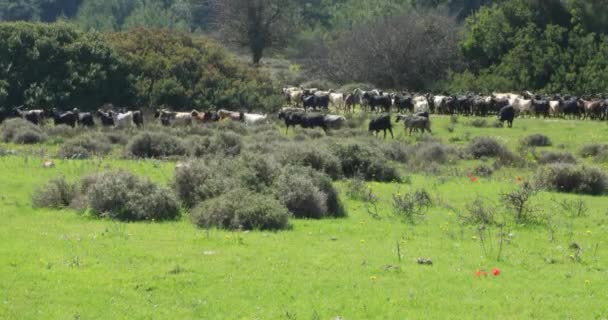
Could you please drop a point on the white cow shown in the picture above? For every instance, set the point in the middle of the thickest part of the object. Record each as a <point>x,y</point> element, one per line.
<point>252,118</point>
<point>337,100</point>
<point>421,104</point>
<point>123,120</point>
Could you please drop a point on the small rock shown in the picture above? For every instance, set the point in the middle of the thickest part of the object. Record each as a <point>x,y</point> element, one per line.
<point>424,261</point>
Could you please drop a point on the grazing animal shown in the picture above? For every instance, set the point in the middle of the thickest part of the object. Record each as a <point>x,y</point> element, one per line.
<point>540,107</point>
<point>34,116</point>
<point>234,116</point>
<point>292,109</point>
<point>403,103</point>
<point>314,101</point>
<point>84,119</point>
<point>592,108</point>
<point>416,123</point>
<point>106,117</point>
<point>252,118</point>
<point>305,120</point>
<point>123,120</point>
<point>334,121</point>
<point>138,118</point>
<point>337,100</point>
<point>374,101</point>
<point>171,118</point>
<point>570,107</point>
<point>381,123</point>
<point>421,104</point>
<point>293,94</point>
<point>507,114</point>
<point>68,118</point>
<point>205,117</point>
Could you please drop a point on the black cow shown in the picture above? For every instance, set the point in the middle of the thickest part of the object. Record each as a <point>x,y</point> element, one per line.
<point>138,118</point>
<point>374,101</point>
<point>540,107</point>
<point>507,114</point>
<point>107,117</point>
<point>305,120</point>
<point>84,119</point>
<point>315,102</point>
<point>67,118</point>
<point>570,107</point>
<point>403,102</point>
<point>381,123</point>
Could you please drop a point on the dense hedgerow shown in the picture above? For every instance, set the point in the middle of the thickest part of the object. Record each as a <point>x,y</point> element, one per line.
<point>564,177</point>
<point>155,145</point>
<point>57,194</point>
<point>21,131</point>
<point>536,140</point>
<point>84,147</point>
<point>242,209</point>
<point>126,197</point>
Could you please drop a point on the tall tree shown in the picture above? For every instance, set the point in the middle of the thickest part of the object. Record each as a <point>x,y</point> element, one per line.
<point>254,24</point>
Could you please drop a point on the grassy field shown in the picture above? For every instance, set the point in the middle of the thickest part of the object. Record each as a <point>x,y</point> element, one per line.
<point>66,265</point>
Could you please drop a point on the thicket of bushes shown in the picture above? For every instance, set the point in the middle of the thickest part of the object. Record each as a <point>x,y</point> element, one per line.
<point>21,131</point>
<point>565,177</point>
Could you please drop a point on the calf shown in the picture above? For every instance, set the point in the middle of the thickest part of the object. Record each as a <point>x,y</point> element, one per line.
<point>381,123</point>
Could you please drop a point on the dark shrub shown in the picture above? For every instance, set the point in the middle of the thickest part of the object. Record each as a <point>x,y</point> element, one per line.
<point>155,145</point>
<point>12,127</point>
<point>478,123</point>
<point>199,146</point>
<point>116,137</point>
<point>432,152</point>
<point>396,151</point>
<point>563,177</point>
<point>242,209</point>
<point>536,140</point>
<point>597,150</point>
<point>29,136</point>
<point>359,159</point>
<point>84,147</point>
<point>124,196</point>
<point>300,195</point>
<point>547,157</point>
<point>198,181</point>
<point>482,147</point>
<point>483,170</point>
<point>228,143</point>
<point>57,194</point>
<point>316,156</point>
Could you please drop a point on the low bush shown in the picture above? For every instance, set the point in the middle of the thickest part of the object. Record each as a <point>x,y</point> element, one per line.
<point>479,212</point>
<point>29,136</point>
<point>483,170</point>
<point>397,151</point>
<point>258,172</point>
<point>126,197</point>
<point>569,178</point>
<point>358,159</point>
<point>242,209</point>
<point>63,131</point>
<point>10,128</point>
<point>57,194</point>
<point>300,195</point>
<point>227,143</point>
<point>199,146</point>
<point>547,157</point>
<point>478,123</point>
<point>312,155</point>
<point>597,150</point>
<point>198,181</point>
<point>482,147</point>
<point>83,147</point>
<point>116,137</point>
<point>536,140</point>
<point>410,205</point>
<point>155,145</point>
<point>431,152</point>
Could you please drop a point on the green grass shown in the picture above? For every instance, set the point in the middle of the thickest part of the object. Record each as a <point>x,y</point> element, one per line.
<point>65,265</point>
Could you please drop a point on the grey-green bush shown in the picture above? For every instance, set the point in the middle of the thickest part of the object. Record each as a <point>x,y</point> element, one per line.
<point>299,194</point>
<point>155,145</point>
<point>536,140</point>
<point>482,147</point>
<point>58,193</point>
<point>547,157</point>
<point>84,147</point>
<point>198,181</point>
<point>21,131</point>
<point>228,143</point>
<point>123,196</point>
<point>569,178</point>
<point>359,159</point>
<point>312,155</point>
<point>257,172</point>
<point>242,209</point>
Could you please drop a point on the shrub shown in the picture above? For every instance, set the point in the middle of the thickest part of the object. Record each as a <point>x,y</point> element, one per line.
<point>57,194</point>
<point>518,202</point>
<point>242,209</point>
<point>433,152</point>
<point>536,140</point>
<point>198,181</point>
<point>123,196</point>
<point>479,212</point>
<point>300,195</point>
<point>116,137</point>
<point>569,178</point>
<point>478,123</point>
<point>396,151</point>
<point>63,131</point>
<point>597,150</point>
<point>84,147</point>
<point>12,127</point>
<point>29,136</point>
<point>359,159</point>
<point>258,172</point>
<point>199,146</point>
<point>547,157</point>
<point>155,145</point>
<point>483,170</point>
<point>489,147</point>
<point>228,143</point>
<point>312,155</point>
<point>409,205</point>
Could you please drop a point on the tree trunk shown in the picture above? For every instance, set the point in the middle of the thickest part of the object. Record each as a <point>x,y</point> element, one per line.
<point>256,54</point>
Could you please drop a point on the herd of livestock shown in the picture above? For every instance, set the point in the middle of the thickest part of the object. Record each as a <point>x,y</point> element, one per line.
<point>413,109</point>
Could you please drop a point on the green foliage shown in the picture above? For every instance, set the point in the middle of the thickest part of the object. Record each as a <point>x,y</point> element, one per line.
<point>57,194</point>
<point>242,210</point>
<point>21,131</point>
<point>178,70</point>
<point>83,147</point>
<point>155,145</point>
<point>565,177</point>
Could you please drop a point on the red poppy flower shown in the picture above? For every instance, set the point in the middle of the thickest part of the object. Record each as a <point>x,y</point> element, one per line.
<point>496,272</point>
<point>480,273</point>
<point>474,179</point>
